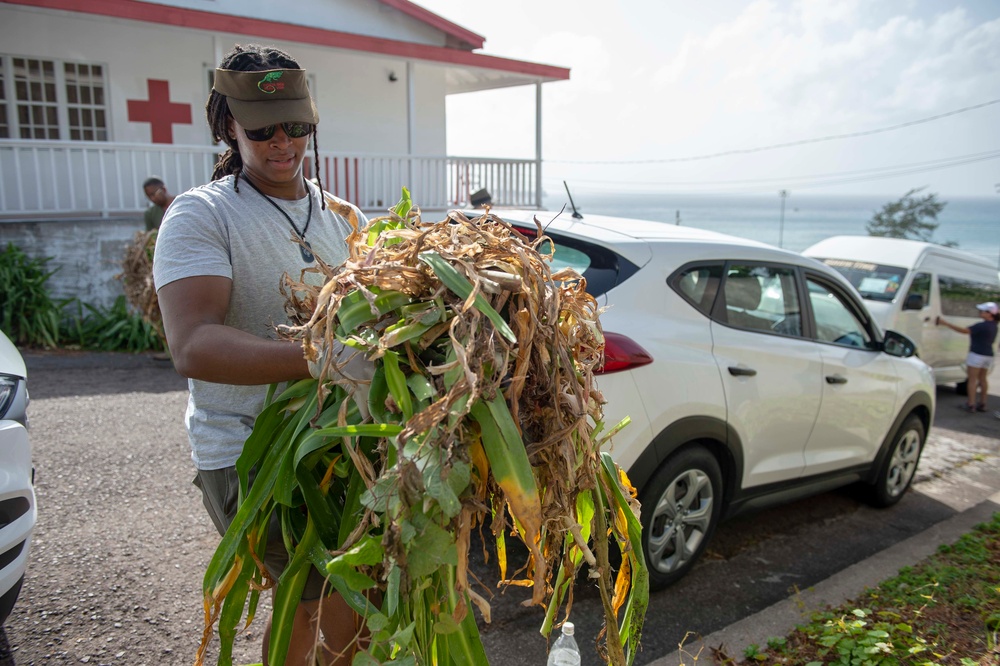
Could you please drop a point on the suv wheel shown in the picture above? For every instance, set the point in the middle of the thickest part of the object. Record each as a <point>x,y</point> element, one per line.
<point>680,509</point>
<point>900,465</point>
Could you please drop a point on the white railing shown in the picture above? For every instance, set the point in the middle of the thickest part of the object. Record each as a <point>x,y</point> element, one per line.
<point>63,178</point>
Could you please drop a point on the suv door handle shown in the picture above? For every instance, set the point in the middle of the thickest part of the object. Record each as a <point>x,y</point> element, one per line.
<point>737,371</point>
<point>836,379</point>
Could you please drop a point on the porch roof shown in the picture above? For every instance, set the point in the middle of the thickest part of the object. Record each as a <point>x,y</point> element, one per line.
<point>466,71</point>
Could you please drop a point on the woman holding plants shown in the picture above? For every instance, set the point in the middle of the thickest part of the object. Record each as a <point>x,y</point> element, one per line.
<point>221,253</point>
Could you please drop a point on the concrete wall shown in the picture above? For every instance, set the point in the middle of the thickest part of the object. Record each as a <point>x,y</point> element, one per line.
<point>87,253</point>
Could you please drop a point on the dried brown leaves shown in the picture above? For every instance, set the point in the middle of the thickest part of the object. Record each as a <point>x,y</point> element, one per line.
<point>546,376</point>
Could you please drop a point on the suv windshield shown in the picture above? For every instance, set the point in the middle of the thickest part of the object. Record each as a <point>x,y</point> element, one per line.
<point>875,282</point>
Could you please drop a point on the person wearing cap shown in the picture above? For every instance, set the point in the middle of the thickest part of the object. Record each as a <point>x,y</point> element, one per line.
<point>979,362</point>
<point>221,252</point>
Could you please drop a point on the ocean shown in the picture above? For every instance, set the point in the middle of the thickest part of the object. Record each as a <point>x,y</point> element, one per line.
<point>971,222</point>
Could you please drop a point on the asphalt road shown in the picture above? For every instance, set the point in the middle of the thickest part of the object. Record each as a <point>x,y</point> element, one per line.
<point>122,539</point>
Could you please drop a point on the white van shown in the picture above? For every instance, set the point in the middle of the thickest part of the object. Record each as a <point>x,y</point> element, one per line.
<point>907,284</point>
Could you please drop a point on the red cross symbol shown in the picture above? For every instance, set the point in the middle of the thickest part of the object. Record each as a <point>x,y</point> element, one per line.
<point>159,111</point>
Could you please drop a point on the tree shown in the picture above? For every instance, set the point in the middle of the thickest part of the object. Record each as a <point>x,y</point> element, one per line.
<point>910,217</point>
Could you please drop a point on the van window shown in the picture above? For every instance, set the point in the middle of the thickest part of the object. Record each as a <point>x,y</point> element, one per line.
<point>698,285</point>
<point>876,282</point>
<point>959,297</point>
<point>835,319</point>
<point>921,286</point>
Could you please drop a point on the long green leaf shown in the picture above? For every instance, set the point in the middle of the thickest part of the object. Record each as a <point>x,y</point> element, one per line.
<point>265,426</point>
<point>285,482</point>
<point>324,513</point>
<point>351,317</point>
<point>352,507</point>
<point>249,508</point>
<point>635,611</point>
<point>503,445</point>
<point>457,282</point>
<point>463,646</point>
<point>397,384</point>
<point>288,595</point>
<point>232,608</point>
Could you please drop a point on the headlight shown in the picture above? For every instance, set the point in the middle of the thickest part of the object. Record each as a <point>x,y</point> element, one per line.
<point>11,407</point>
<point>8,389</point>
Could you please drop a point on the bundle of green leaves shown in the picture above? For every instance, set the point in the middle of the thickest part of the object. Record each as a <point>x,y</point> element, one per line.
<point>483,409</point>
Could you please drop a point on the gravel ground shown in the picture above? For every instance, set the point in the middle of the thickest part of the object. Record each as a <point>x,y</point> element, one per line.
<point>122,539</point>
<point>114,575</point>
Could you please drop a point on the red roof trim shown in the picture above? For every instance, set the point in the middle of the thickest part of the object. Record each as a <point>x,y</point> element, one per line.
<point>202,20</point>
<point>435,21</point>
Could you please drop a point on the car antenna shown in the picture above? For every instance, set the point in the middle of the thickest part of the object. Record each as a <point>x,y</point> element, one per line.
<point>577,214</point>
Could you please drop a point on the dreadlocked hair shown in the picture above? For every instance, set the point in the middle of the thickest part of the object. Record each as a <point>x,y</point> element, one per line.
<point>248,58</point>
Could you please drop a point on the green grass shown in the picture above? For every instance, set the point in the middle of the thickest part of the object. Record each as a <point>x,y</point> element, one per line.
<point>946,610</point>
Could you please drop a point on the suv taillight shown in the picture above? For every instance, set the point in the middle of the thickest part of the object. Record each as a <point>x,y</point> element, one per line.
<point>622,353</point>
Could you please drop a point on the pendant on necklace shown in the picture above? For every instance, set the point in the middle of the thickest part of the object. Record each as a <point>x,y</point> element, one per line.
<point>306,249</point>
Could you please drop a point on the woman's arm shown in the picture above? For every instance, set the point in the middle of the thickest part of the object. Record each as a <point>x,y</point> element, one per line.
<point>203,347</point>
<point>957,329</point>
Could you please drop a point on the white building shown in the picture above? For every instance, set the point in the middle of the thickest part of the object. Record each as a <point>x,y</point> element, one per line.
<point>97,95</point>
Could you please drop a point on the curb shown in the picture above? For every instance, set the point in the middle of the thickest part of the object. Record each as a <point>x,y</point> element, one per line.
<point>781,618</point>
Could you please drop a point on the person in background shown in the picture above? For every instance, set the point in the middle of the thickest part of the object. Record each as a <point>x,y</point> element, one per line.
<point>220,254</point>
<point>156,192</point>
<point>979,362</point>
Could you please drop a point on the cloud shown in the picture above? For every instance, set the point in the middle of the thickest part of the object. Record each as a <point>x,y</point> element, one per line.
<point>821,66</point>
<point>656,80</point>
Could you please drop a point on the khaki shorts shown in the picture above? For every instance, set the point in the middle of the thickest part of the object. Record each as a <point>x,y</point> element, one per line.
<point>220,489</point>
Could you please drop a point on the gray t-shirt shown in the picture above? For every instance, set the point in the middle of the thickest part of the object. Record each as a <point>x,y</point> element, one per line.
<point>214,230</point>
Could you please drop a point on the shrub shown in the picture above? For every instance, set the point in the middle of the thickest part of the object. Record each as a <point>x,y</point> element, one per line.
<point>28,314</point>
<point>113,329</point>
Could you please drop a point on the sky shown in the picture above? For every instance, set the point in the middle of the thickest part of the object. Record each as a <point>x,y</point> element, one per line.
<point>654,83</point>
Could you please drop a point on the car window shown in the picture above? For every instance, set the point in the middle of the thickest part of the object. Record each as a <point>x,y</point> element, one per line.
<point>603,268</point>
<point>761,298</point>
<point>698,284</point>
<point>565,257</point>
<point>835,320</point>
<point>921,286</point>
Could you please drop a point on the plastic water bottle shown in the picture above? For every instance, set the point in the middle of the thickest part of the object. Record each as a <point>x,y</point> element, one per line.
<point>565,651</point>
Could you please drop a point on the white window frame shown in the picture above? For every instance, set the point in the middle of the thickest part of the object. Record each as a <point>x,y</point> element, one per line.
<point>62,100</point>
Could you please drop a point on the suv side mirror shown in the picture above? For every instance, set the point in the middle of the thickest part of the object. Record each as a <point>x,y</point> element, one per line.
<point>914,302</point>
<point>897,344</point>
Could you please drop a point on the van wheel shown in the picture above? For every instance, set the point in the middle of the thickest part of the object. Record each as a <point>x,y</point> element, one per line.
<point>900,465</point>
<point>681,506</point>
<point>962,388</point>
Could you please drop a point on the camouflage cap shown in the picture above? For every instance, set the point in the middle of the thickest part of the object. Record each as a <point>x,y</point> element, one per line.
<point>262,98</point>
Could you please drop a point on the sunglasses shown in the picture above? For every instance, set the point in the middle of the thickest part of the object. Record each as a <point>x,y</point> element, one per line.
<point>293,130</point>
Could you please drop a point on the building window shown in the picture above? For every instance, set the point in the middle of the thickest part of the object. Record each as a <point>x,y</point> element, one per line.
<point>35,95</point>
<point>85,102</point>
<point>50,99</point>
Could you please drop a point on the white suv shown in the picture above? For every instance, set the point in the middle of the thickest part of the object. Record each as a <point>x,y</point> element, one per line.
<point>752,375</point>
<point>17,494</point>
